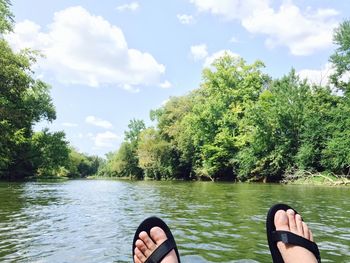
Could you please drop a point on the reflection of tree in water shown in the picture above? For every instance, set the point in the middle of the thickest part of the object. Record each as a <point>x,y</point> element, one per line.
<point>12,202</point>
<point>24,216</point>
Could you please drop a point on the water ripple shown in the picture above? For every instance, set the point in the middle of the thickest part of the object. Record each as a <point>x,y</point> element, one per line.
<point>94,221</point>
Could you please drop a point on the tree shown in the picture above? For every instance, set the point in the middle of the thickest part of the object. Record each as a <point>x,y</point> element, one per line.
<point>155,155</point>
<point>49,153</point>
<point>341,57</point>
<point>272,129</point>
<point>81,165</point>
<point>172,129</point>
<point>6,17</point>
<point>336,155</point>
<point>229,88</point>
<point>124,162</point>
<point>24,101</point>
<point>135,128</point>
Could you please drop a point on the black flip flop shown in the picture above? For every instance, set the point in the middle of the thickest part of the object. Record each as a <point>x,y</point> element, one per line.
<point>164,248</point>
<point>273,236</point>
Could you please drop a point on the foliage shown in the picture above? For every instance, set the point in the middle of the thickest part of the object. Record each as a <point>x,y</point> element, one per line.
<point>125,162</point>
<point>6,17</point>
<point>154,155</point>
<point>230,86</point>
<point>81,165</point>
<point>238,125</point>
<point>241,125</point>
<point>25,101</point>
<point>49,153</point>
<point>341,57</point>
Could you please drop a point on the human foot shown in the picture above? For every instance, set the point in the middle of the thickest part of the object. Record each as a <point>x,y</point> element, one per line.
<point>146,244</point>
<point>292,222</point>
<point>154,243</point>
<point>289,238</point>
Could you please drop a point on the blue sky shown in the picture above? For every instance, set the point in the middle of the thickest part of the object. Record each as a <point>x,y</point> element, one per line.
<point>111,61</point>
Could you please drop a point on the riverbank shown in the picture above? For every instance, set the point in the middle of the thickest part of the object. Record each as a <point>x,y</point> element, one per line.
<point>297,179</point>
<point>306,178</point>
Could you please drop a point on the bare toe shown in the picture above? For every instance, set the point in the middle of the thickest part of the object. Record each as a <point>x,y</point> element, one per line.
<point>289,221</point>
<point>147,240</point>
<point>159,236</point>
<point>299,224</point>
<point>147,244</point>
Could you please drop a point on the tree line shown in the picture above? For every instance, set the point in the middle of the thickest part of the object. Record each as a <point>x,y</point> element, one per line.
<point>241,124</point>
<point>24,101</point>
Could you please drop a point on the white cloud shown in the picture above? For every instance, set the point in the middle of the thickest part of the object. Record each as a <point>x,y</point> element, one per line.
<point>128,7</point>
<point>199,52</point>
<point>106,139</point>
<point>317,76</point>
<point>209,60</point>
<point>87,51</point>
<point>165,85</point>
<point>98,122</point>
<point>131,88</point>
<point>303,32</point>
<point>234,40</point>
<point>69,124</point>
<point>164,102</point>
<point>231,9</point>
<point>320,76</point>
<point>185,19</point>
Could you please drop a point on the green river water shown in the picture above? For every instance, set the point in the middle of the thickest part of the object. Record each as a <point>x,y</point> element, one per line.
<point>95,220</point>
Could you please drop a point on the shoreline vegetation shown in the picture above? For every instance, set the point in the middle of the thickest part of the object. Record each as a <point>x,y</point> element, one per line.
<point>239,125</point>
<point>296,179</point>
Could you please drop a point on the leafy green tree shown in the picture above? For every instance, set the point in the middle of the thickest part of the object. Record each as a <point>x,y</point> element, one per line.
<point>274,126</point>
<point>229,88</point>
<point>49,152</point>
<point>172,129</point>
<point>155,155</point>
<point>24,101</point>
<point>341,57</point>
<point>81,165</point>
<point>6,17</point>
<point>336,155</point>
<point>318,116</point>
<point>135,128</point>
<point>124,162</point>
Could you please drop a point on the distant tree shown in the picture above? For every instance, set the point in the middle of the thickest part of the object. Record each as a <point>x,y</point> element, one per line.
<point>81,165</point>
<point>336,155</point>
<point>49,152</point>
<point>124,162</point>
<point>155,155</point>
<point>135,128</point>
<point>24,101</point>
<point>341,57</point>
<point>230,86</point>
<point>273,128</point>
<point>6,17</point>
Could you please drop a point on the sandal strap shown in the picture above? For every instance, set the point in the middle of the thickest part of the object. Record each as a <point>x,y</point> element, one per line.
<point>161,251</point>
<point>293,239</point>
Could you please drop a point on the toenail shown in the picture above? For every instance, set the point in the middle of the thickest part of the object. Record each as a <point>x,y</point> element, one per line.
<point>290,211</point>
<point>143,234</point>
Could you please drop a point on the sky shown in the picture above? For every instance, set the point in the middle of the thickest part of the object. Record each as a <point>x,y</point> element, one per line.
<point>108,62</point>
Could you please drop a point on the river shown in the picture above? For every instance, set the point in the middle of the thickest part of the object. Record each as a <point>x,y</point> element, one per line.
<point>94,220</point>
